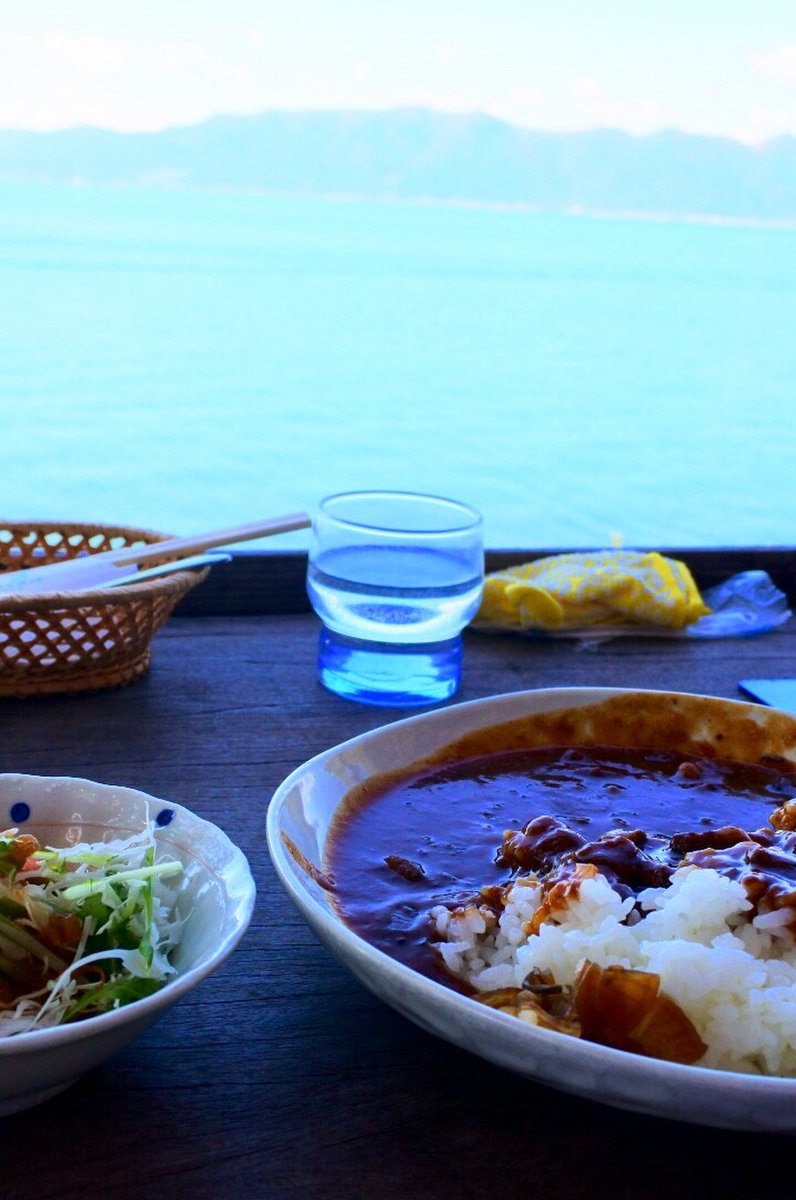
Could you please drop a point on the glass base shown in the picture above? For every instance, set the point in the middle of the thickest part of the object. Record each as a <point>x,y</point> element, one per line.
<point>399,676</point>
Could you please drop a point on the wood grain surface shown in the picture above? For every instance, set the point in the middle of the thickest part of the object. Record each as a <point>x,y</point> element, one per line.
<point>281,1076</point>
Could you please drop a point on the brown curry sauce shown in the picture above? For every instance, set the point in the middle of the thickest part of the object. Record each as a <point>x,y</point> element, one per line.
<point>444,833</point>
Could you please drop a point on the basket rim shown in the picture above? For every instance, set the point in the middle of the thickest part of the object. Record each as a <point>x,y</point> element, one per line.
<point>176,583</point>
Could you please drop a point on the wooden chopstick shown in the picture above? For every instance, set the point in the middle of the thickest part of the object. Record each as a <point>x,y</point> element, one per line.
<point>193,544</point>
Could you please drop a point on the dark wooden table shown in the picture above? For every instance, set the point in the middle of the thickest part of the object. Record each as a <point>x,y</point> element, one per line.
<point>281,1076</point>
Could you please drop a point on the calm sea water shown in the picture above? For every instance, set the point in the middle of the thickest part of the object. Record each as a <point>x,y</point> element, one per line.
<point>187,360</point>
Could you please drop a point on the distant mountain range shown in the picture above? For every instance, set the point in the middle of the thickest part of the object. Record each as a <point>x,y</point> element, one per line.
<point>417,154</point>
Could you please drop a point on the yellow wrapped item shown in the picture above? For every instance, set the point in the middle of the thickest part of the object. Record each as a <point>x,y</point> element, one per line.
<point>601,588</point>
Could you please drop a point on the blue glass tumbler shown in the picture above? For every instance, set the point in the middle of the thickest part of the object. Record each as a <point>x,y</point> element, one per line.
<point>394,578</point>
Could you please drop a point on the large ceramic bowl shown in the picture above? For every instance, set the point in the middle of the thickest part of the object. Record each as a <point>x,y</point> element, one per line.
<point>216,895</point>
<point>299,819</point>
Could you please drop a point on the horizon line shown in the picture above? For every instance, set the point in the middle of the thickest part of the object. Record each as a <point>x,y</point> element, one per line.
<point>468,114</point>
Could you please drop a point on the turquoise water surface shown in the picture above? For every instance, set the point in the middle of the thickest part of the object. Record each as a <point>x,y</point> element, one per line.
<point>183,360</point>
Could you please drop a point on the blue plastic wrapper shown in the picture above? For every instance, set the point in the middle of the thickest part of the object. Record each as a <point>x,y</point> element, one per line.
<point>745,604</point>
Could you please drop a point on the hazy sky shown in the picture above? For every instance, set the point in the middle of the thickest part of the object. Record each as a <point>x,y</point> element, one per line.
<point>710,66</point>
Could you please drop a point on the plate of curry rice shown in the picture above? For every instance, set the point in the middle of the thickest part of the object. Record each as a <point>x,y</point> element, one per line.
<point>594,888</point>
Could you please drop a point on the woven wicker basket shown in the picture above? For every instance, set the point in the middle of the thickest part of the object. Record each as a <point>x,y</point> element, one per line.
<point>85,640</point>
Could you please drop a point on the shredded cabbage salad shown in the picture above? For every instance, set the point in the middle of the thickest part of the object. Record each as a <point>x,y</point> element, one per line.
<point>83,930</point>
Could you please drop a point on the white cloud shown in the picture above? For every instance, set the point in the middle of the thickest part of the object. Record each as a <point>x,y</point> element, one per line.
<point>94,57</point>
<point>762,124</point>
<point>254,38</point>
<point>582,102</point>
<point>777,64</point>
<point>449,55</point>
<point>523,106</point>
<point>586,88</point>
<point>60,79</point>
<point>87,56</point>
<point>594,104</point>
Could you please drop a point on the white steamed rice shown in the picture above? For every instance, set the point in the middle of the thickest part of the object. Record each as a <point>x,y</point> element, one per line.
<point>735,978</point>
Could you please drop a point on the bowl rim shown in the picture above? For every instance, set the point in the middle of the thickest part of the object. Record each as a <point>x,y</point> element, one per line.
<point>241,905</point>
<point>710,1080</point>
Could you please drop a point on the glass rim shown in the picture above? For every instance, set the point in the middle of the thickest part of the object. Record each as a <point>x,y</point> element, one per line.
<point>475,518</point>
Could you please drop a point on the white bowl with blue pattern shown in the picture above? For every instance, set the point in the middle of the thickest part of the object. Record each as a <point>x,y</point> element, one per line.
<point>216,895</point>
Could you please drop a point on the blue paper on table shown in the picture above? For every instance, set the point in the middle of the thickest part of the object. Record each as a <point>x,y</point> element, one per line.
<point>779,693</point>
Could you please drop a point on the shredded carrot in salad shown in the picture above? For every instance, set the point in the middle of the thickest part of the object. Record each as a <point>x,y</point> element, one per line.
<point>83,930</point>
